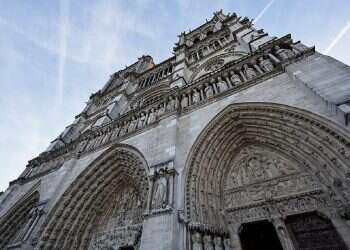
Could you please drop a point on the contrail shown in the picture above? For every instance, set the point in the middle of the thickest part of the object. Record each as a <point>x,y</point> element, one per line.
<point>263,11</point>
<point>64,29</point>
<point>337,38</point>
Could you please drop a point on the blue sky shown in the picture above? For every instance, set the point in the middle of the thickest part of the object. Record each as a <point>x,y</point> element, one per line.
<point>54,54</point>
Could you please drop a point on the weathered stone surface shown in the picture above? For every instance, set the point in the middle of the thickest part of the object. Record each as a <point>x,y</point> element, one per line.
<point>190,153</point>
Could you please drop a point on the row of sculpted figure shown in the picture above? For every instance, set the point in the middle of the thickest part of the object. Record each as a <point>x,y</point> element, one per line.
<point>119,129</point>
<point>227,80</point>
<point>202,241</point>
<point>215,85</point>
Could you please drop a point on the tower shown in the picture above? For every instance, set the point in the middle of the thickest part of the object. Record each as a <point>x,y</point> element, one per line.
<point>237,138</point>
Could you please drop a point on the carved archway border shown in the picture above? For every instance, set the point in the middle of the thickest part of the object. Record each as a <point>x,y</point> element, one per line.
<point>70,222</point>
<point>310,138</point>
<point>16,218</point>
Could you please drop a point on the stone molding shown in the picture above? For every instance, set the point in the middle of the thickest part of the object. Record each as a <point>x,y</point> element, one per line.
<point>320,147</point>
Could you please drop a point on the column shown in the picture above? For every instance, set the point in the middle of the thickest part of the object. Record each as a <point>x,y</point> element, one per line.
<point>283,234</point>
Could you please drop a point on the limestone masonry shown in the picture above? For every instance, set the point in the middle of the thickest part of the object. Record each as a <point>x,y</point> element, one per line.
<point>239,141</point>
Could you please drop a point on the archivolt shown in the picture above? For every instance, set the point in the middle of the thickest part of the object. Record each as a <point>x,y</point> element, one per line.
<point>71,221</point>
<point>318,145</point>
<point>13,221</point>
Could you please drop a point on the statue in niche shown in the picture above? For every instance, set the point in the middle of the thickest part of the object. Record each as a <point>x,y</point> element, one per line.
<point>161,109</point>
<point>197,241</point>
<point>142,121</point>
<point>152,116</point>
<point>283,54</point>
<point>218,243</point>
<point>172,104</point>
<point>265,64</point>
<point>133,124</point>
<point>248,72</point>
<point>184,101</point>
<point>160,194</point>
<point>235,79</point>
<point>222,85</point>
<point>196,96</point>
<point>208,243</point>
<point>124,128</point>
<point>208,90</point>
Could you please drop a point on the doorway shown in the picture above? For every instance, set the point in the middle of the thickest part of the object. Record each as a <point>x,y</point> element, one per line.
<point>314,231</point>
<point>259,235</point>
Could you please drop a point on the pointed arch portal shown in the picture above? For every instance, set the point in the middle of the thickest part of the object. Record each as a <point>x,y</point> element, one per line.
<point>263,162</point>
<point>103,207</point>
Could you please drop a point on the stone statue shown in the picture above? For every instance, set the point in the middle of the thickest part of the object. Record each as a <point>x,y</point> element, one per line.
<point>197,241</point>
<point>196,96</point>
<point>159,194</point>
<point>265,64</point>
<point>124,128</point>
<point>218,243</point>
<point>208,242</point>
<point>133,124</point>
<point>235,79</point>
<point>172,104</point>
<point>184,101</point>
<point>208,90</point>
<point>152,116</point>
<point>248,72</point>
<point>283,54</point>
<point>142,121</point>
<point>161,109</point>
<point>222,85</point>
<point>116,132</point>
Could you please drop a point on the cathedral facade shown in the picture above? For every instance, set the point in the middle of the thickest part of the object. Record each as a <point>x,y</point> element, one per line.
<point>238,141</point>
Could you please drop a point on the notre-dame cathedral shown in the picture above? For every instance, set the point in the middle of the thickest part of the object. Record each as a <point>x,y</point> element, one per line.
<point>239,141</point>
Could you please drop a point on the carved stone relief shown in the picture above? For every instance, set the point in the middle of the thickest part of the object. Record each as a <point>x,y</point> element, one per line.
<point>120,222</point>
<point>260,174</point>
<point>163,178</point>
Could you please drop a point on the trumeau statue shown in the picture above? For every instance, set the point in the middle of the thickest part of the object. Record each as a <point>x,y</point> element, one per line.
<point>216,148</point>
